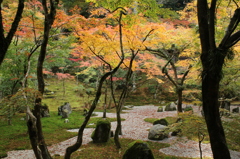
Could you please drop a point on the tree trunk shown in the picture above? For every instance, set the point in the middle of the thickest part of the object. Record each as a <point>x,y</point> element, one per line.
<point>78,143</point>
<point>50,13</point>
<point>6,41</point>
<point>32,131</point>
<point>210,91</point>
<point>41,141</point>
<point>179,103</point>
<point>212,59</point>
<point>117,131</point>
<point>105,103</point>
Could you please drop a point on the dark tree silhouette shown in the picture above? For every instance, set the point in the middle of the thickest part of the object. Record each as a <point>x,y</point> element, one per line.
<point>5,40</point>
<point>212,58</point>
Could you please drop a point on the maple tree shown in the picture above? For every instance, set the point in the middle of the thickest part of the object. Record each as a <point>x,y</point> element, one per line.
<point>214,53</point>
<point>178,53</point>
<point>112,70</point>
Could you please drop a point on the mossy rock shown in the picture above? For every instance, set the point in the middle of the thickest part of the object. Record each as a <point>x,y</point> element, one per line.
<point>102,131</point>
<point>177,132</point>
<point>158,132</point>
<point>160,109</point>
<point>161,121</point>
<point>138,150</point>
<point>170,107</point>
<point>175,129</point>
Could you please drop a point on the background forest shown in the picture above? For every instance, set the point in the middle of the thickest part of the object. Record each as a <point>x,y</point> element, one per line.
<point>103,55</point>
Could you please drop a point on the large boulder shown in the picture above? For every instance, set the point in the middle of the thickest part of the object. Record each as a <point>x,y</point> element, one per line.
<point>65,110</point>
<point>170,107</point>
<point>138,150</point>
<point>102,131</point>
<point>157,132</point>
<point>161,121</point>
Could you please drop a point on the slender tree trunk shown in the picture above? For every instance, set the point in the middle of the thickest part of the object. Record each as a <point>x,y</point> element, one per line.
<point>118,131</point>
<point>50,12</point>
<point>105,103</point>
<point>78,143</point>
<point>32,131</point>
<point>179,103</point>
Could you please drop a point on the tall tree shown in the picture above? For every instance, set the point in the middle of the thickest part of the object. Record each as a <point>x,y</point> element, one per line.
<point>212,57</point>
<point>34,123</point>
<point>5,40</point>
<point>178,52</point>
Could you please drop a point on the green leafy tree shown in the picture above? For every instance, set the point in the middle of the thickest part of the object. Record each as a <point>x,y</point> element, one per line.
<point>230,84</point>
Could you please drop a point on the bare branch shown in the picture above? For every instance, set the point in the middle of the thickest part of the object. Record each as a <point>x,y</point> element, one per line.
<point>165,71</point>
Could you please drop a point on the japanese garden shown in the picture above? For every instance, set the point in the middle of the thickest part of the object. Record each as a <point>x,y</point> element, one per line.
<point>119,79</point>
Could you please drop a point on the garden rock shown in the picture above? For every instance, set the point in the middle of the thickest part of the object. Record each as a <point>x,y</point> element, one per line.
<point>129,106</point>
<point>160,109</point>
<point>224,112</point>
<point>157,132</point>
<point>45,111</point>
<point>170,107</point>
<point>138,150</point>
<point>225,103</point>
<point>161,121</point>
<point>235,110</point>
<point>176,132</point>
<point>65,110</point>
<point>85,112</point>
<point>102,131</point>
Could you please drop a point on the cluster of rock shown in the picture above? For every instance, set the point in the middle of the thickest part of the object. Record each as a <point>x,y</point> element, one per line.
<point>159,131</point>
<point>173,107</point>
<point>137,149</point>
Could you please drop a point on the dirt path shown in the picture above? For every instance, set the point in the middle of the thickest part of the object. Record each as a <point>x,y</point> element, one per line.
<point>135,128</point>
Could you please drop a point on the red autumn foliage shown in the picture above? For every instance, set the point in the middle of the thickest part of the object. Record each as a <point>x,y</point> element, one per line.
<point>75,60</point>
<point>64,76</point>
<point>116,78</point>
